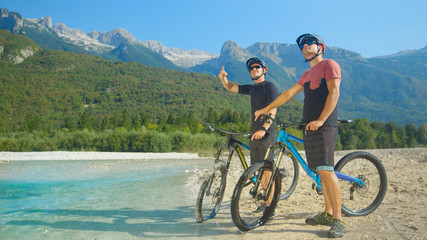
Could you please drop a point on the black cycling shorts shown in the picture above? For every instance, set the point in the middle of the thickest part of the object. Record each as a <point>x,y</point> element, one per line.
<point>320,147</point>
<point>259,147</point>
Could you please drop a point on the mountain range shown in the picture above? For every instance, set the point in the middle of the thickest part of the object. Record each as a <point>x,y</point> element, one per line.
<point>386,88</point>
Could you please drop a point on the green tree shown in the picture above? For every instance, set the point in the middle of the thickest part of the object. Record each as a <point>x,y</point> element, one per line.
<point>392,129</point>
<point>115,120</point>
<point>105,123</point>
<point>125,121</point>
<point>383,140</point>
<point>136,122</point>
<point>421,134</point>
<point>32,123</point>
<point>85,122</point>
<point>212,116</point>
<point>402,136</point>
<point>410,132</point>
<point>70,123</point>
<point>365,133</point>
<point>171,118</point>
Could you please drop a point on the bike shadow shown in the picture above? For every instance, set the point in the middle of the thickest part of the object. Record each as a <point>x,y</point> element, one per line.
<point>179,222</point>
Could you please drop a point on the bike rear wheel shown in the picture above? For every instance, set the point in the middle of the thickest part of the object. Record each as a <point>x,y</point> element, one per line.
<point>211,193</point>
<point>362,200</point>
<point>249,196</point>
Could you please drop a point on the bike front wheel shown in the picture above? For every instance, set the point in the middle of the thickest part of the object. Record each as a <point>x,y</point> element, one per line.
<point>362,200</point>
<point>289,172</point>
<point>211,193</point>
<point>249,198</point>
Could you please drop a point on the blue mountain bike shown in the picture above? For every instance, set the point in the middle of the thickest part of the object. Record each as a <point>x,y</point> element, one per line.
<point>362,177</point>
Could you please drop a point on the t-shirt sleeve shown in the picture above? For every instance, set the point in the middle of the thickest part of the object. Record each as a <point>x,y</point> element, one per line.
<point>332,70</point>
<point>302,79</point>
<point>273,93</point>
<point>244,89</point>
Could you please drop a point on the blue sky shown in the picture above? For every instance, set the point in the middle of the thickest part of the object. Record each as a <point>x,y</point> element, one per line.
<point>371,28</point>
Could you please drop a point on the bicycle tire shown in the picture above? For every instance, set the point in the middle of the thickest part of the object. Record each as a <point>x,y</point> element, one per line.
<point>211,193</point>
<point>245,201</point>
<point>356,200</point>
<point>289,172</point>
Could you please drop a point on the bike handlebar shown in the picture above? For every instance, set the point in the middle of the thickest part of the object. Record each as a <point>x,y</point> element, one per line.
<point>300,125</point>
<point>282,124</point>
<point>213,128</point>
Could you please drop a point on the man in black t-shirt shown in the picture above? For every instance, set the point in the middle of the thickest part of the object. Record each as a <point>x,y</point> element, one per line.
<point>262,93</point>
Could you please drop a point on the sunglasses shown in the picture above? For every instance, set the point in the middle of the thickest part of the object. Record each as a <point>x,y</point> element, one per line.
<point>255,67</point>
<point>308,43</point>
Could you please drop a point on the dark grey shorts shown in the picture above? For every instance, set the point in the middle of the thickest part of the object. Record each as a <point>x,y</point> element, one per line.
<point>320,147</point>
<point>259,147</point>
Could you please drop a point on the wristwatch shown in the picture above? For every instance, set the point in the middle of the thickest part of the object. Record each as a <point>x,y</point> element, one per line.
<point>263,128</point>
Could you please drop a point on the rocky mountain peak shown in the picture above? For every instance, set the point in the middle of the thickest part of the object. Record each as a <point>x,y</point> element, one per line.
<point>180,57</point>
<point>10,20</point>
<point>277,52</point>
<point>339,54</point>
<point>114,37</point>
<point>232,50</point>
<point>229,45</point>
<point>63,29</point>
<point>156,46</point>
<point>77,37</point>
<point>45,22</point>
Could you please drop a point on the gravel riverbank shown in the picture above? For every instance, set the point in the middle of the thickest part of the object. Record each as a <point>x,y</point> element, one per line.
<point>67,155</point>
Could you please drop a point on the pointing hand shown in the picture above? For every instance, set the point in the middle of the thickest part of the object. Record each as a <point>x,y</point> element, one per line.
<point>222,74</point>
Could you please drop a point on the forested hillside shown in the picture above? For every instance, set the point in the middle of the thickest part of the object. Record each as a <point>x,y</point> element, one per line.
<point>53,86</point>
<point>385,88</point>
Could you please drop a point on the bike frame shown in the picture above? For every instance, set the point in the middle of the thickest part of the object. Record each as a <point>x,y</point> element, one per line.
<point>234,145</point>
<point>286,138</point>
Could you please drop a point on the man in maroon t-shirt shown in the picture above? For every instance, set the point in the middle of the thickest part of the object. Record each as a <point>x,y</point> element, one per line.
<point>321,85</point>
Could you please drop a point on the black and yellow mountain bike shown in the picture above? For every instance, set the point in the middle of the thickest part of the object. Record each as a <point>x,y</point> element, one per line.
<point>212,189</point>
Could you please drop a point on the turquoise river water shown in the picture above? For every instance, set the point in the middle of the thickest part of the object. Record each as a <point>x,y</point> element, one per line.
<point>111,199</point>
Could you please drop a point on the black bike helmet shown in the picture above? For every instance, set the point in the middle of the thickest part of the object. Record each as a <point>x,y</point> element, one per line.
<point>253,61</point>
<point>307,37</point>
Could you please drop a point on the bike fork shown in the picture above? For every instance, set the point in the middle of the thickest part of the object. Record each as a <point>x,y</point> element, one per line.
<point>273,172</point>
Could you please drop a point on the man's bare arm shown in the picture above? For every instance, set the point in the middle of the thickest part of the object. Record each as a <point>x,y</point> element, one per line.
<point>227,84</point>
